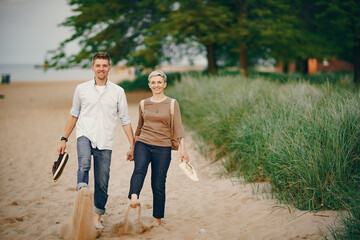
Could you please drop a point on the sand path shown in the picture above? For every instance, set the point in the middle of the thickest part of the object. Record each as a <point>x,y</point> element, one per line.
<point>32,119</point>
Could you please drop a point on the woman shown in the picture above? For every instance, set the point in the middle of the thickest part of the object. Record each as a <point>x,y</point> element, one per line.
<point>153,144</point>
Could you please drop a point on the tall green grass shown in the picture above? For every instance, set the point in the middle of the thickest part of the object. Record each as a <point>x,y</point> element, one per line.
<point>342,77</point>
<point>350,219</point>
<point>320,77</point>
<point>303,139</point>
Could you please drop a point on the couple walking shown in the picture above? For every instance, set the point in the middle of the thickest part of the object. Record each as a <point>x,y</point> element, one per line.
<point>96,106</point>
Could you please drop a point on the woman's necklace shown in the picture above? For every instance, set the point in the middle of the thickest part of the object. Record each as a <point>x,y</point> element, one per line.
<point>157,101</point>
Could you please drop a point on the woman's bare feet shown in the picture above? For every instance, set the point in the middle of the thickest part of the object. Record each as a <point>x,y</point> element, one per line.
<point>134,201</point>
<point>157,221</point>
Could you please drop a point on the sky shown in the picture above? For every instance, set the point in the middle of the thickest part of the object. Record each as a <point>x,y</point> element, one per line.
<point>29,28</point>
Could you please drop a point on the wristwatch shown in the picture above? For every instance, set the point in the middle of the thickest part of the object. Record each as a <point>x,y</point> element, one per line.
<point>64,138</point>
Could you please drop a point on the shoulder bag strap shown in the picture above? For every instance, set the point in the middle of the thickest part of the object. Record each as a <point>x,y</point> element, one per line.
<point>142,103</point>
<point>172,116</point>
<point>172,106</point>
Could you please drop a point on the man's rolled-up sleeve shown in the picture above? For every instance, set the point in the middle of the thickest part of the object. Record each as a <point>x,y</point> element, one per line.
<point>76,106</point>
<point>123,113</point>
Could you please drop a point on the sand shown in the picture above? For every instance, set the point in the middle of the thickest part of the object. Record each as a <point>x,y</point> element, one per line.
<point>33,206</point>
<point>82,225</point>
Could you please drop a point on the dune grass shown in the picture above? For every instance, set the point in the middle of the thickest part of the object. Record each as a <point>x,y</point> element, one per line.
<point>350,219</point>
<point>340,77</point>
<point>302,138</point>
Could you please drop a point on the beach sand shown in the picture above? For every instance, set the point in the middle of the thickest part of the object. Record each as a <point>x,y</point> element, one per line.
<point>33,206</point>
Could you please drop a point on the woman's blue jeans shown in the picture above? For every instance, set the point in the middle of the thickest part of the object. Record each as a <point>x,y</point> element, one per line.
<point>160,158</point>
<point>102,160</point>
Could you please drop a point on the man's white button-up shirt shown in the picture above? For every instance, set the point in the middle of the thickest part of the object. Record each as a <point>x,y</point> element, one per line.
<point>97,112</point>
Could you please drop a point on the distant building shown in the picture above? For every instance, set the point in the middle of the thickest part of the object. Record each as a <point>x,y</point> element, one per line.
<point>315,66</point>
<point>334,64</point>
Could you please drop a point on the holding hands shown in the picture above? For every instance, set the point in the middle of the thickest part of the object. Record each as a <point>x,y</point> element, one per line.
<point>130,155</point>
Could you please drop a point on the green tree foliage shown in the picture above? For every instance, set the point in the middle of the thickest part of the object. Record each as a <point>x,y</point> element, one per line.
<point>339,22</point>
<point>259,28</point>
<point>144,32</point>
<point>192,21</point>
<point>229,28</point>
<point>115,26</point>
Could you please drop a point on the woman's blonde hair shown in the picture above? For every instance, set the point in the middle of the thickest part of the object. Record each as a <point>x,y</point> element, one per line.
<point>157,73</point>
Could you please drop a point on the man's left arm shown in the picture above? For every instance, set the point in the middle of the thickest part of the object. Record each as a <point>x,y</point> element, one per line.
<point>126,124</point>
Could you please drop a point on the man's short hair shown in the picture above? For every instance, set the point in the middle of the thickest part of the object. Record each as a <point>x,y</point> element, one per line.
<point>157,73</point>
<point>101,55</point>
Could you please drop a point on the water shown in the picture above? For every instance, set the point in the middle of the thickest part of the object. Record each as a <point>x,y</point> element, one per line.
<point>28,72</point>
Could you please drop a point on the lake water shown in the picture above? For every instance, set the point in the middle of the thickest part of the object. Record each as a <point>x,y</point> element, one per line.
<point>28,72</point>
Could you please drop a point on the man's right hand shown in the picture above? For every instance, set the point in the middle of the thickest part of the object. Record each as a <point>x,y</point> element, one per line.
<point>62,147</point>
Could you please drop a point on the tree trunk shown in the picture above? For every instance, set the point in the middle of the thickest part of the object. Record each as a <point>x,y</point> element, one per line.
<point>305,68</point>
<point>299,65</point>
<point>286,66</point>
<point>210,54</point>
<point>357,63</point>
<point>302,65</point>
<point>243,60</point>
<point>241,19</point>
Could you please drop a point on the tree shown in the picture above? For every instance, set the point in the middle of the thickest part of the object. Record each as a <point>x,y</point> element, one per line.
<point>188,21</point>
<point>224,27</point>
<point>259,27</point>
<point>116,26</point>
<point>142,32</point>
<point>339,22</point>
<point>311,44</point>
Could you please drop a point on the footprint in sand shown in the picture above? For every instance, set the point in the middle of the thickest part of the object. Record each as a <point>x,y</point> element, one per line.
<point>82,225</point>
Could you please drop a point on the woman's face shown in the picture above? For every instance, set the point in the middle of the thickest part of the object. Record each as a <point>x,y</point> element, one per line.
<point>157,84</point>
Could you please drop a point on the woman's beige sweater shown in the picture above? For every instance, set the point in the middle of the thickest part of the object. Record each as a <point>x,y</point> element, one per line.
<point>154,124</point>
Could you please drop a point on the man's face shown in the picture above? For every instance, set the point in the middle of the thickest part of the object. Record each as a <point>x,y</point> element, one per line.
<point>101,68</point>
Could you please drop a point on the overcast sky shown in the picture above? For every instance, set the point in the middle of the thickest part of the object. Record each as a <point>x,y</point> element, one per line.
<point>28,28</point>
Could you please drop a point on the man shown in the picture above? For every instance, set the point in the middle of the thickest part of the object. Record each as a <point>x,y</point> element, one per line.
<point>96,106</point>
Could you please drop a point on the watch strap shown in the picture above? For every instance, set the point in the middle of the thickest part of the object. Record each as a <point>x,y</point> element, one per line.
<point>64,138</point>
